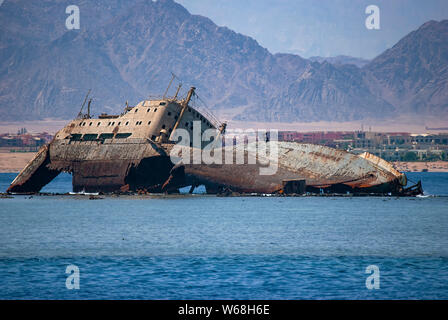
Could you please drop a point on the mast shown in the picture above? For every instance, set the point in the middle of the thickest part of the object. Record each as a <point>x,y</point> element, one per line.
<point>184,107</point>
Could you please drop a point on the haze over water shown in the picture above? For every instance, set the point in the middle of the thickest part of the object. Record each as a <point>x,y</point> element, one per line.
<point>207,247</point>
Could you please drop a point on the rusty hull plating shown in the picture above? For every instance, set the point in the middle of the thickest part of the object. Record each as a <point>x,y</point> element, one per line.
<point>131,153</point>
<point>324,169</point>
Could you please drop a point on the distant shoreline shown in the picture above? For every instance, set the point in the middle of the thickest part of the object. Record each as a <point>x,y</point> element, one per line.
<point>13,162</point>
<point>436,166</point>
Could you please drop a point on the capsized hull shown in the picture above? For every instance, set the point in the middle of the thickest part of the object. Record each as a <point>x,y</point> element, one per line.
<point>323,169</point>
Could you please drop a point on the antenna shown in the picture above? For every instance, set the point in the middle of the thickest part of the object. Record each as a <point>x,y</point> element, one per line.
<point>83,104</point>
<point>88,108</point>
<point>178,89</point>
<point>171,81</point>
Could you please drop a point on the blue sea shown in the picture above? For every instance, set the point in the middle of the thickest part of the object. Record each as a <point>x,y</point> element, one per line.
<point>207,247</point>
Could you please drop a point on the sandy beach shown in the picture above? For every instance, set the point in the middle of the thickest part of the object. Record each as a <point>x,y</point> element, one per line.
<point>14,161</point>
<point>437,166</point>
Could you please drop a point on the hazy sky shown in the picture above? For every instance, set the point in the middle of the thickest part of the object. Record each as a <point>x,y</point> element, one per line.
<point>320,27</point>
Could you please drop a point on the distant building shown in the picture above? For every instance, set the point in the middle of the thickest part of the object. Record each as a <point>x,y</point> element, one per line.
<point>24,140</point>
<point>391,146</point>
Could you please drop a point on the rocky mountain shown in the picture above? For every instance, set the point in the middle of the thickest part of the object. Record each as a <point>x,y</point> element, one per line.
<point>341,59</point>
<point>324,92</point>
<point>126,50</point>
<point>413,74</point>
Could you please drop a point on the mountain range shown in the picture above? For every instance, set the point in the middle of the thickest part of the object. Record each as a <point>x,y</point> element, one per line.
<point>126,51</point>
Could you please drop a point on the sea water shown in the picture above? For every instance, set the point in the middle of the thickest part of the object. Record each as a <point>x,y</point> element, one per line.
<point>207,247</point>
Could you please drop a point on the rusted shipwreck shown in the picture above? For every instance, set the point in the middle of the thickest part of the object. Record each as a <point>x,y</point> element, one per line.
<point>131,153</point>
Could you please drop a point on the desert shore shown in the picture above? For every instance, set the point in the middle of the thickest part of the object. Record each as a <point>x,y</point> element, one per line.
<point>16,161</point>
<point>437,166</point>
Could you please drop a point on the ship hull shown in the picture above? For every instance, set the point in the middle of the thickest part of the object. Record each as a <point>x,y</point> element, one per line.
<point>324,170</point>
<point>143,165</point>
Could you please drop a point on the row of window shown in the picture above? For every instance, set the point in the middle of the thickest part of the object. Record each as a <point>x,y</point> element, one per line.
<point>82,124</point>
<point>112,123</point>
<point>95,137</point>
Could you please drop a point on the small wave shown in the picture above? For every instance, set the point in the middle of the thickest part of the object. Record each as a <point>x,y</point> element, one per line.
<point>82,193</point>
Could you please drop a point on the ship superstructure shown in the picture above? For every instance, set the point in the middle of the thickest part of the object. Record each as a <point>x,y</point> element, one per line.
<point>115,152</point>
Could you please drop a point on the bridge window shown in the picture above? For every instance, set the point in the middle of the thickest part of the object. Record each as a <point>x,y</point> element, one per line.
<point>75,137</point>
<point>104,136</point>
<point>123,135</point>
<point>89,137</point>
